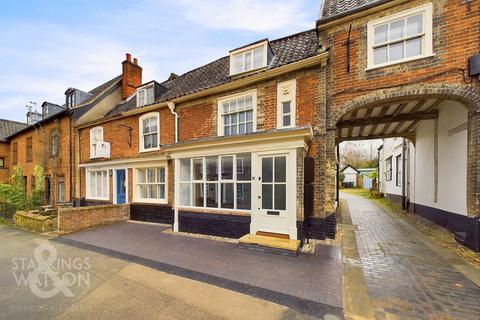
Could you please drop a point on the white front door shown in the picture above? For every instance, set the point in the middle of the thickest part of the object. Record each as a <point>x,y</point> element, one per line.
<point>274,194</point>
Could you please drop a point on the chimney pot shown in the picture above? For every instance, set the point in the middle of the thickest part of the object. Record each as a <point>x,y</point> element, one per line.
<point>129,57</point>
<point>135,61</point>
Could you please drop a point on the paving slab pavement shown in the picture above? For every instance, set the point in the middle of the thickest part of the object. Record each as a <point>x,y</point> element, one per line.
<point>119,289</point>
<point>311,283</point>
<point>405,278</point>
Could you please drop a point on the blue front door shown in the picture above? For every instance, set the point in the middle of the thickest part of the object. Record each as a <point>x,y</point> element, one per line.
<point>121,186</point>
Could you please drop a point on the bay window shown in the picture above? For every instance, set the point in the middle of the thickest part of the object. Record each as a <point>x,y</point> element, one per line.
<point>150,185</point>
<point>98,185</point>
<point>401,37</point>
<point>222,182</point>
<point>149,132</point>
<point>236,114</point>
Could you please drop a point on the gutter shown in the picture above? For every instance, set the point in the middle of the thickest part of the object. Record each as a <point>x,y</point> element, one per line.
<point>171,106</point>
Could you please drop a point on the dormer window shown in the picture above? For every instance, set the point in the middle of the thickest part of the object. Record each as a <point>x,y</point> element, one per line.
<point>249,58</point>
<point>71,100</point>
<point>145,96</point>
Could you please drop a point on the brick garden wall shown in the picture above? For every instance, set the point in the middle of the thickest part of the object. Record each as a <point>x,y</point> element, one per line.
<point>75,219</point>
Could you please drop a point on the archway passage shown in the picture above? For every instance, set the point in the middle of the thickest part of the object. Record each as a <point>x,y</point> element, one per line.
<point>442,124</point>
<point>387,119</point>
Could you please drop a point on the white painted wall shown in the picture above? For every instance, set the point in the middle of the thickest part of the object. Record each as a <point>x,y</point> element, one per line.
<point>350,176</point>
<point>452,162</point>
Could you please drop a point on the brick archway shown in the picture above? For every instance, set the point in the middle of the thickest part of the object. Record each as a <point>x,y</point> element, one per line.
<point>467,95</point>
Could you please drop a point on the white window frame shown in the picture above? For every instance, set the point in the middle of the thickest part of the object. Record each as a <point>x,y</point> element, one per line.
<point>143,91</point>
<point>136,194</point>
<point>249,49</point>
<point>88,177</point>
<point>204,182</point>
<point>93,154</point>
<point>140,132</point>
<point>427,49</point>
<point>283,96</point>
<point>220,113</point>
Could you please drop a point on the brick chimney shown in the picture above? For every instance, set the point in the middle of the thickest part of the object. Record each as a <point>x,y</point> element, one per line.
<point>131,76</point>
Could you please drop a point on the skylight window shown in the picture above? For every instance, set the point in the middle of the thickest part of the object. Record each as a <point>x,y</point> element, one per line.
<point>249,58</point>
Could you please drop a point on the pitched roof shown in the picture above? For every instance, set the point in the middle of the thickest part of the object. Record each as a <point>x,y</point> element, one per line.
<point>96,92</point>
<point>334,8</point>
<point>349,166</point>
<point>100,89</point>
<point>8,127</point>
<point>286,50</point>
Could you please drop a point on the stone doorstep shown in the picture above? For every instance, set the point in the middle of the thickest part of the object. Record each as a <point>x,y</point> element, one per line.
<point>269,244</point>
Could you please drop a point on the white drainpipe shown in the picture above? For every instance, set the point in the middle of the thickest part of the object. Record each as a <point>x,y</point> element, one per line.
<point>171,106</point>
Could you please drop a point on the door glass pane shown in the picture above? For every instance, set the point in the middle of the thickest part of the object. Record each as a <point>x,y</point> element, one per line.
<point>280,169</point>
<point>396,29</point>
<point>227,168</point>
<point>197,169</point>
<point>244,192</point>
<point>413,47</point>
<point>185,170</point>
<point>286,121</point>
<point>381,33</point>
<point>380,55</point>
<point>267,196</point>
<point>185,194</point>
<point>244,169</point>
<point>212,169</point>
<point>198,194</point>
<point>280,196</point>
<point>212,199</point>
<point>227,195</point>
<point>286,107</point>
<point>396,51</point>
<point>415,25</point>
<point>267,169</point>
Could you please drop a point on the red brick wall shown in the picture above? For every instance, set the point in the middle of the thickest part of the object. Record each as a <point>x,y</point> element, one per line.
<point>41,145</point>
<point>4,153</point>
<point>456,36</point>
<point>75,219</point>
<point>197,121</point>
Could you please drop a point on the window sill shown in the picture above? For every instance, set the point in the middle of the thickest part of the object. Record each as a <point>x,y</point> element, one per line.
<point>148,150</point>
<point>248,72</point>
<point>399,62</point>
<point>97,199</point>
<point>150,201</point>
<point>225,211</point>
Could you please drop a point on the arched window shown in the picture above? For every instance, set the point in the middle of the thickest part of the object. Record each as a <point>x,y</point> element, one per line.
<point>149,131</point>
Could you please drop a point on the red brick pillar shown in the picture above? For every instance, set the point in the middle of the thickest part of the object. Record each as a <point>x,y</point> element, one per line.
<point>473,164</point>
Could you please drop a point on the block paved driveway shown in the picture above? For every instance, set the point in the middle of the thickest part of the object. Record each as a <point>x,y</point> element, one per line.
<point>311,283</point>
<point>405,278</point>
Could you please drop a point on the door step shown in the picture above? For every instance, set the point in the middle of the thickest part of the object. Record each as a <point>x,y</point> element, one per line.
<point>267,244</point>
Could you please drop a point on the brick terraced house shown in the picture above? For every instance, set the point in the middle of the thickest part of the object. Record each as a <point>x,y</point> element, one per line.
<point>225,149</point>
<point>48,139</point>
<point>248,143</point>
